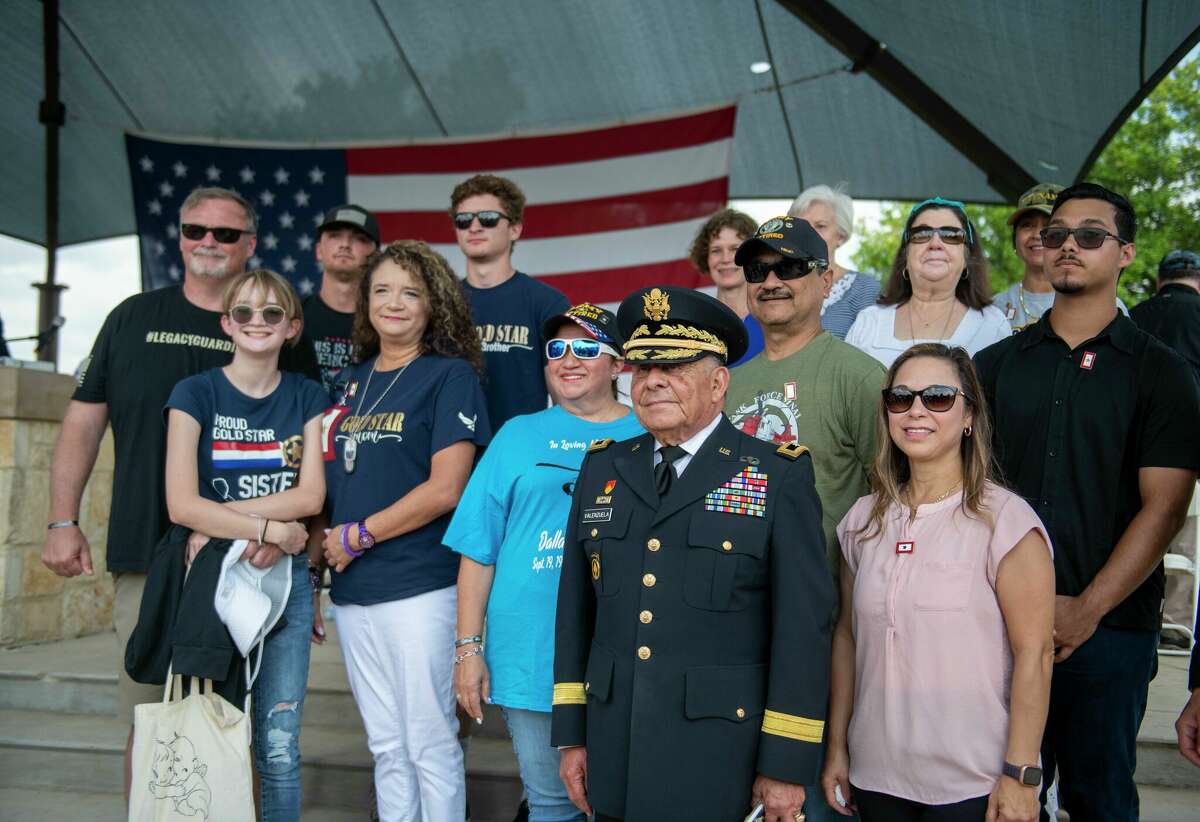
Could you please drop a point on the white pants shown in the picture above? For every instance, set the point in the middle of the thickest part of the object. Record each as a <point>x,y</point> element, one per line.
<point>400,662</point>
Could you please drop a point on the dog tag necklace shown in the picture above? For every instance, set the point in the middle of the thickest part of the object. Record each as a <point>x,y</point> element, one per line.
<point>350,449</point>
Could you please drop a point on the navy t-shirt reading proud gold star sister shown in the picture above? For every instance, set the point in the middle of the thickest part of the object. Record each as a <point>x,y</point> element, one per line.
<point>434,403</point>
<point>249,447</point>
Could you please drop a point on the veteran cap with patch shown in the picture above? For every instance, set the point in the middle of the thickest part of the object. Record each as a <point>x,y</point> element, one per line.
<point>792,237</point>
<point>598,323</point>
<point>1039,198</point>
<point>667,324</point>
<point>354,216</point>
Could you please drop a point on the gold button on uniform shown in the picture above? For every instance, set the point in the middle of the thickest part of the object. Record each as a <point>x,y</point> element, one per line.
<point>646,617</point>
<point>643,652</point>
<point>648,580</point>
<point>741,713</point>
<point>727,545</point>
<point>595,532</point>
<point>653,544</point>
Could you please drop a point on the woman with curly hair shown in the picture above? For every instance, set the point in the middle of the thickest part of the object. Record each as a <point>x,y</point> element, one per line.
<point>399,448</point>
<point>712,253</point>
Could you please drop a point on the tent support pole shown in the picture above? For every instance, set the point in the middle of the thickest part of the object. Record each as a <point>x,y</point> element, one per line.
<point>1004,173</point>
<point>52,114</point>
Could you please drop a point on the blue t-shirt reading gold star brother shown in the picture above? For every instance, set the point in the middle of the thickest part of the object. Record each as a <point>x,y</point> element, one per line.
<point>435,403</point>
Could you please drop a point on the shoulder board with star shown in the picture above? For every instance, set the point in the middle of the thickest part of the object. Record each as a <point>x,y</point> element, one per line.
<point>600,445</point>
<point>792,450</point>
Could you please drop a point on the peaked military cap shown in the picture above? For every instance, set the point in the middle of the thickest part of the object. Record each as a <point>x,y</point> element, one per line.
<point>668,324</point>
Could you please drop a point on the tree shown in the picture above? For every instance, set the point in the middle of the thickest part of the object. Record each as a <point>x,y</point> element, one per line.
<point>1154,160</point>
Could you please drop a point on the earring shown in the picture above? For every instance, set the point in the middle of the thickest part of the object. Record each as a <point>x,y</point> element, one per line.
<point>904,273</point>
<point>967,431</point>
<point>964,275</point>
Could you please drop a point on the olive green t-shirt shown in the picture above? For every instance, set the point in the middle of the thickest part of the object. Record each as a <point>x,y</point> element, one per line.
<point>825,396</point>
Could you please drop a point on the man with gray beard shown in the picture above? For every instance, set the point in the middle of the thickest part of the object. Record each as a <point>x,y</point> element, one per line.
<point>148,343</point>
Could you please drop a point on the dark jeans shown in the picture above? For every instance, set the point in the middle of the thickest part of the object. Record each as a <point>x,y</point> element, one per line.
<point>881,807</point>
<point>1097,701</point>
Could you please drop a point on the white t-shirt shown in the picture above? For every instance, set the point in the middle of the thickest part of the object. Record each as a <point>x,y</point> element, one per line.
<point>874,332</point>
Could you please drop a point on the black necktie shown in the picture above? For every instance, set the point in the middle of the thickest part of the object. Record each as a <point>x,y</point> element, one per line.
<point>664,472</point>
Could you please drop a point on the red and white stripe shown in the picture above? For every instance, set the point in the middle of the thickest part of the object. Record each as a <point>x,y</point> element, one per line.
<point>609,209</point>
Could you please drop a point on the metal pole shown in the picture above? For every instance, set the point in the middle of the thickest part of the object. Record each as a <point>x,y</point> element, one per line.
<point>52,113</point>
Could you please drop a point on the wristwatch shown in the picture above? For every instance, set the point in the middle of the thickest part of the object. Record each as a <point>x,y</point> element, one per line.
<point>365,539</point>
<point>1025,774</point>
<point>316,575</point>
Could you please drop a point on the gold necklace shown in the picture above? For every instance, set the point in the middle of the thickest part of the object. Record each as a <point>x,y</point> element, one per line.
<point>1029,318</point>
<point>935,501</point>
<point>912,329</point>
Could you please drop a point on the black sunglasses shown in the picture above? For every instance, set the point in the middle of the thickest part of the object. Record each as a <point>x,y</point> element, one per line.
<point>222,234</point>
<point>271,314</point>
<point>936,398</point>
<point>487,219</point>
<point>758,271</point>
<point>951,235</point>
<point>1086,237</point>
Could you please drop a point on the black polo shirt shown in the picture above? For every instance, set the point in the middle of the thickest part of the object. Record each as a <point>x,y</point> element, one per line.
<point>1173,315</point>
<point>1072,428</point>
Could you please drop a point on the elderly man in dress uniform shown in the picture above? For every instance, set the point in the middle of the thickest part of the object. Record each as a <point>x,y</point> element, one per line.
<point>693,628</point>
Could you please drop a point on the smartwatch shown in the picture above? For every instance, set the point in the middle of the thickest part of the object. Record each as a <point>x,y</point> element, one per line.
<point>1030,775</point>
<point>365,538</point>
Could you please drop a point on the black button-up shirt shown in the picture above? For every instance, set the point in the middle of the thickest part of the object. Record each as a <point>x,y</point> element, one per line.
<point>1072,428</point>
<point>1173,315</point>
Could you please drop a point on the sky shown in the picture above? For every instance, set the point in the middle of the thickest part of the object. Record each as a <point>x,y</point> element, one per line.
<point>100,274</point>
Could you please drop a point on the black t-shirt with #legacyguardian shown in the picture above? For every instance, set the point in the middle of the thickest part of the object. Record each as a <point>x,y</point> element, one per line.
<point>509,320</point>
<point>148,343</point>
<point>330,333</point>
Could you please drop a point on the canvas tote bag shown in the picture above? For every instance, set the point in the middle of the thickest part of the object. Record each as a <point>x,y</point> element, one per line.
<point>191,758</point>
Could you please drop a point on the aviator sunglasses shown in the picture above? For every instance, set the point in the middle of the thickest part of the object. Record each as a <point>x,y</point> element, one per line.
<point>936,398</point>
<point>222,234</point>
<point>487,219</point>
<point>271,314</point>
<point>1086,237</point>
<point>583,349</point>
<point>758,271</point>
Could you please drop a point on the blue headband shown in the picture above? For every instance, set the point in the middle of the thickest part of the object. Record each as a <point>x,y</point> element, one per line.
<point>944,203</point>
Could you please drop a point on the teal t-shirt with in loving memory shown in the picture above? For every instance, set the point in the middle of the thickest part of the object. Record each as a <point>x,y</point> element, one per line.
<point>513,514</point>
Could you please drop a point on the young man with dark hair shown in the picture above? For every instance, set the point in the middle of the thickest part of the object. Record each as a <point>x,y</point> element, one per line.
<point>1025,301</point>
<point>1095,427</point>
<point>510,308</point>
<point>345,238</point>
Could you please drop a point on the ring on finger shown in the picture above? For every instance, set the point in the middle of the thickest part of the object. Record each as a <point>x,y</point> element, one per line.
<point>799,816</point>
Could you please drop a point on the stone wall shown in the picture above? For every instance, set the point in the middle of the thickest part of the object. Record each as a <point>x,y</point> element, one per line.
<point>36,605</point>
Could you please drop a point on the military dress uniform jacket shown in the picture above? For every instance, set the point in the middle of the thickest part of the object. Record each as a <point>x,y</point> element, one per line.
<point>692,638</point>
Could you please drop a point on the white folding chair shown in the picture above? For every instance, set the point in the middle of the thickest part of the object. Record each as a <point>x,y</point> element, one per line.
<point>1182,564</point>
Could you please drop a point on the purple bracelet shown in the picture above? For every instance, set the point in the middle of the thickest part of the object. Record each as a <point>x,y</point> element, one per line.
<point>346,543</point>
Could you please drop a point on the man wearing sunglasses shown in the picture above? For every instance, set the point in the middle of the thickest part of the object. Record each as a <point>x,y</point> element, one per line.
<point>510,307</point>
<point>148,343</point>
<point>1025,301</point>
<point>806,385</point>
<point>345,239</point>
<point>1095,426</point>
<point>692,632</point>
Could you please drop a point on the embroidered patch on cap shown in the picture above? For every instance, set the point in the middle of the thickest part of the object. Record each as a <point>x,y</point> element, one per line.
<point>745,493</point>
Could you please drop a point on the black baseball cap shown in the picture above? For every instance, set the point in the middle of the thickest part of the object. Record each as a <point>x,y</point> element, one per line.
<point>354,216</point>
<point>599,323</point>
<point>792,237</point>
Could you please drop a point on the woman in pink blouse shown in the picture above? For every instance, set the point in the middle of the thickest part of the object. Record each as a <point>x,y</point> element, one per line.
<point>943,650</point>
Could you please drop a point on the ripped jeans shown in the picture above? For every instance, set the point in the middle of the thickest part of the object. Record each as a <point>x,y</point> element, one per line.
<point>278,702</point>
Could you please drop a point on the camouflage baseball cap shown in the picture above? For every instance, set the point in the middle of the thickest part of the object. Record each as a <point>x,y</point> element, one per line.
<point>1039,198</point>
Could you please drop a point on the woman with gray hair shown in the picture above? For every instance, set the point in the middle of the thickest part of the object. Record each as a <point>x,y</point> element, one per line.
<point>831,212</point>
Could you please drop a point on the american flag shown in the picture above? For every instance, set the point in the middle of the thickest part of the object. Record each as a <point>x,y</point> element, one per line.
<point>609,209</point>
